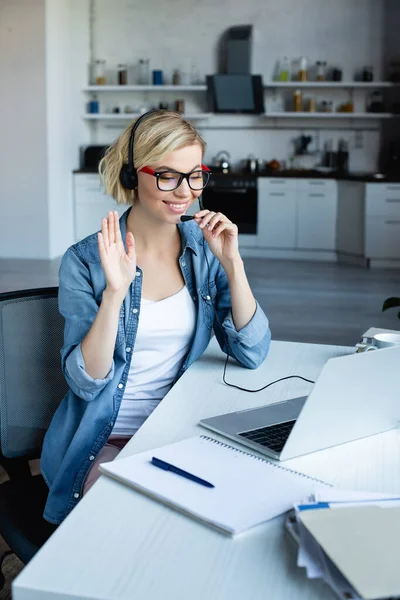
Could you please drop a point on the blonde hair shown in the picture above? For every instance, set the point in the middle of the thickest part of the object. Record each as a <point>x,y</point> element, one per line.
<point>157,135</point>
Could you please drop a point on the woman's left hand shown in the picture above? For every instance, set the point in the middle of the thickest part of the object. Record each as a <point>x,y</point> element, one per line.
<point>220,233</point>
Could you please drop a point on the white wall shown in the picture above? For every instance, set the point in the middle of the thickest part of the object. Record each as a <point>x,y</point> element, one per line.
<point>23,192</point>
<point>66,39</point>
<point>179,33</point>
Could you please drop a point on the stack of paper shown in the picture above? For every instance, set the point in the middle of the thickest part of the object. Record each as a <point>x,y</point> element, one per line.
<point>351,540</point>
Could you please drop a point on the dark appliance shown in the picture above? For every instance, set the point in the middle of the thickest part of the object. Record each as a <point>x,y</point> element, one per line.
<point>390,159</point>
<point>235,94</point>
<point>342,157</point>
<point>238,49</point>
<point>235,197</point>
<point>91,156</point>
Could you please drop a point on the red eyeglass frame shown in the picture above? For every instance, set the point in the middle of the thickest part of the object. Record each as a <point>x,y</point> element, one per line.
<point>182,176</point>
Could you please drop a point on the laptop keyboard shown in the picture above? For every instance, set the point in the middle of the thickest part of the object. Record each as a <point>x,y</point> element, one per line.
<point>273,437</point>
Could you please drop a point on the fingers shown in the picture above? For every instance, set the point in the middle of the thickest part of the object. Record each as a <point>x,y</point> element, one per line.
<point>117,230</point>
<point>130,244</point>
<point>211,219</point>
<point>104,232</point>
<point>111,227</point>
<point>230,228</point>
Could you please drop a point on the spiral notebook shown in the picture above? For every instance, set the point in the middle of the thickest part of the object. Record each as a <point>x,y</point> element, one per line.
<point>249,490</point>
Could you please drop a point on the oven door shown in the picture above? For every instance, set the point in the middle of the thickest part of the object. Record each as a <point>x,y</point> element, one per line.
<point>239,204</point>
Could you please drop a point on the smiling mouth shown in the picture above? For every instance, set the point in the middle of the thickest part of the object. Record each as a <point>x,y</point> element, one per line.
<point>176,204</point>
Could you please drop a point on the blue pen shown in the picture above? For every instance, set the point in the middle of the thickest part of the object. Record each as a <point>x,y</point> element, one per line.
<point>161,464</point>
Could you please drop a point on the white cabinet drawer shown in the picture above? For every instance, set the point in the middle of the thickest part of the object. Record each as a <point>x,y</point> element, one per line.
<point>383,190</point>
<point>382,237</point>
<point>324,186</point>
<point>275,184</point>
<point>383,205</point>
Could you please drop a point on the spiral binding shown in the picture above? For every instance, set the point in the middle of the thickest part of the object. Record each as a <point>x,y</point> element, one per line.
<point>214,441</point>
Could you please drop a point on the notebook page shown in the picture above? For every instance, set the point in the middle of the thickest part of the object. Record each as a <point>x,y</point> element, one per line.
<point>247,491</point>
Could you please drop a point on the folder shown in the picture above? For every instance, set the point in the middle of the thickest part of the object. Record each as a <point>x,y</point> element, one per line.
<point>362,542</point>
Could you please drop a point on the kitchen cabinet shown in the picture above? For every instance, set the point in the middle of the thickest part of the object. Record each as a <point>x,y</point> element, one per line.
<point>316,214</point>
<point>276,221</point>
<point>91,204</point>
<point>297,214</point>
<point>369,223</point>
<point>382,221</point>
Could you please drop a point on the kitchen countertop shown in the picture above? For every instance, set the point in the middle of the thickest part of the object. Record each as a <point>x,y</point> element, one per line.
<point>299,174</point>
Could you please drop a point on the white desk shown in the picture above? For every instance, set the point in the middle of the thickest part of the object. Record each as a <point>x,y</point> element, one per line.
<point>118,544</point>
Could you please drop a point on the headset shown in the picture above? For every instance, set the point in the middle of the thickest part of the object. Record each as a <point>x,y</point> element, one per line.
<point>129,180</point>
<point>128,174</point>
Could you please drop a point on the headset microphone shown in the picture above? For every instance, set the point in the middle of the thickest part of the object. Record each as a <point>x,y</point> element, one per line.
<point>190,217</point>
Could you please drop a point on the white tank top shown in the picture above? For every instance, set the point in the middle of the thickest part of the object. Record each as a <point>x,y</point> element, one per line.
<point>163,339</point>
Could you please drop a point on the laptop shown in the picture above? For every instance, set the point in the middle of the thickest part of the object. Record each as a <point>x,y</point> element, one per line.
<point>355,396</point>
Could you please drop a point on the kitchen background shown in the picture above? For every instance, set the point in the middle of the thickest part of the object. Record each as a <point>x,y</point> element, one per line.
<point>44,106</point>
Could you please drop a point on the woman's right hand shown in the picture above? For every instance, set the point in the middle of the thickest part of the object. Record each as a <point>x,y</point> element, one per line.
<point>118,265</point>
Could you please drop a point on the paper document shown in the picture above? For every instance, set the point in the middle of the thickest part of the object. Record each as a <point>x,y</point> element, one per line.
<point>248,489</point>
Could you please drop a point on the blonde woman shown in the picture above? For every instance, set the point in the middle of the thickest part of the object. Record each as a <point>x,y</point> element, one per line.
<point>140,299</point>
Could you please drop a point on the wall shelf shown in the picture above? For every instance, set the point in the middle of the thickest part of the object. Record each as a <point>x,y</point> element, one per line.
<point>130,116</point>
<point>330,84</point>
<point>145,88</point>
<point>269,85</point>
<point>327,115</point>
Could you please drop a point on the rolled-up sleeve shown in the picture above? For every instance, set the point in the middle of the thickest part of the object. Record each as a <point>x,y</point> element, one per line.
<point>250,345</point>
<point>79,308</point>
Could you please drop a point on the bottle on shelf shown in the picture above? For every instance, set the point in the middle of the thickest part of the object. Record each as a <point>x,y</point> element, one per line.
<point>297,101</point>
<point>144,71</point>
<point>99,72</point>
<point>303,69</point>
<point>93,105</point>
<point>284,69</point>
<point>122,74</point>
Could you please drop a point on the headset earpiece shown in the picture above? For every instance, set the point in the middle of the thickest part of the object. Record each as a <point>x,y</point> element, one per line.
<point>128,177</point>
<point>128,174</point>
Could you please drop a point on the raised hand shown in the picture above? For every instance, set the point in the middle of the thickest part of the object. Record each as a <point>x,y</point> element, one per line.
<point>118,265</point>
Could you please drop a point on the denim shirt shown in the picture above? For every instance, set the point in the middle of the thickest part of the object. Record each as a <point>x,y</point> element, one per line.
<point>85,417</point>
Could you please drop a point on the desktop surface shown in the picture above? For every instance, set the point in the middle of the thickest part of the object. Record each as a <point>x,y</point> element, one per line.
<point>118,544</point>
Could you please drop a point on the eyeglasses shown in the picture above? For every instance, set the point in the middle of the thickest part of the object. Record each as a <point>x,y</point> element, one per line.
<point>167,181</point>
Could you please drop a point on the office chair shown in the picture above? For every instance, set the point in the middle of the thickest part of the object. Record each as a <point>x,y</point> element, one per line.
<point>31,387</point>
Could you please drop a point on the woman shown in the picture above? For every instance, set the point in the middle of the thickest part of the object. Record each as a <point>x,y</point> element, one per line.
<point>140,300</point>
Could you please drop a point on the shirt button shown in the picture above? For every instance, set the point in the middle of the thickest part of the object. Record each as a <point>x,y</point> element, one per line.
<point>137,273</point>
<point>112,423</point>
<point>128,349</point>
<point>76,495</point>
<point>183,264</point>
<point>134,310</point>
<point>120,385</point>
<point>208,297</point>
<point>91,457</point>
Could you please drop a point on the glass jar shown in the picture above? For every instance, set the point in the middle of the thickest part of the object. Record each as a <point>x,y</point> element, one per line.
<point>99,72</point>
<point>144,71</point>
<point>320,70</point>
<point>122,74</point>
<point>284,69</point>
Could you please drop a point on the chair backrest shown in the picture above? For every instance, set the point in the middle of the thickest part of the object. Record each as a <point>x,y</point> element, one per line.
<point>31,381</point>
